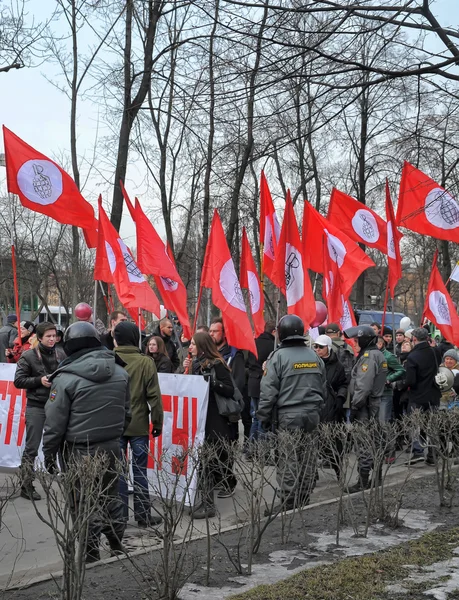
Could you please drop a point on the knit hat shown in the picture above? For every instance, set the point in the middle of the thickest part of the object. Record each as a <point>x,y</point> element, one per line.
<point>400,331</point>
<point>452,354</point>
<point>332,328</point>
<point>323,340</point>
<point>387,331</point>
<point>126,334</point>
<point>409,334</point>
<point>11,318</point>
<point>28,325</point>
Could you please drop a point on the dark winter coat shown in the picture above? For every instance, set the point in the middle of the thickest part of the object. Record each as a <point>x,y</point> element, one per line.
<point>163,363</point>
<point>31,367</point>
<point>235,360</point>
<point>106,339</point>
<point>443,347</point>
<point>171,348</point>
<point>421,367</point>
<point>332,411</point>
<point>345,356</point>
<point>265,345</point>
<point>88,401</point>
<point>217,427</point>
<point>8,334</point>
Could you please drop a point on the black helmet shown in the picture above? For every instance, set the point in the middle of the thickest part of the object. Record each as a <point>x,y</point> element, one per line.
<point>364,333</point>
<point>80,335</point>
<point>289,326</point>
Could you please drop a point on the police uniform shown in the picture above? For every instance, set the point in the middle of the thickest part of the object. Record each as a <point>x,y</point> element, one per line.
<point>292,392</point>
<point>368,379</point>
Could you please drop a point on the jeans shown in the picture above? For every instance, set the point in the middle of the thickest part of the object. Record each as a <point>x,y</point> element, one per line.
<point>385,408</point>
<point>256,430</point>
<point>419,444</point>
<point>139,447</point>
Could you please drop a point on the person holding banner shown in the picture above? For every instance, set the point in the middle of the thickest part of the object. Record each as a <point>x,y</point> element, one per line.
<point>32,374</point>
<point>216,469</point>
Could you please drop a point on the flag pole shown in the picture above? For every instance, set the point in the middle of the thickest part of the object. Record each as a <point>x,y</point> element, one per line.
<point>276,339</point>
<point>94,308</point>
<point>140,328</point>
<point>14,267</point>
<point>393,324</point>
<point>386,297</point>
<point>198,306</point>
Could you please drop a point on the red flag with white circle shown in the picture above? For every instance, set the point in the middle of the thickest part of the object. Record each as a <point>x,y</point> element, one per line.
<point>250,281</point>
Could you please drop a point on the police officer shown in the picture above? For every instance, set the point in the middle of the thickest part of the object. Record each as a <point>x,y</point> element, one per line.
<point>87,413</point>
<point>292,392</point>
<point>368,379</point>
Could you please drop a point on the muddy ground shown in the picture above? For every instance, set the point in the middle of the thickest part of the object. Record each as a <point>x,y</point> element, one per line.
<point>304,539</point>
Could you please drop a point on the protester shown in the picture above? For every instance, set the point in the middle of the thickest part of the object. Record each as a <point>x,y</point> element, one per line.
<point>292,393</point>
<point>399,337</point>
<point>451,362</point>
<point>165,331</point>
<point>27,329</point>
<point>8,334</point>
<point>421,367</point>
<point>388,337</point>
<point>236,361</point>
<point>395,371</point>
<point>87,412</point>
<point>32,374</point>
<point>117,316</point>
<point>265,345</point>
<point>368,379</point>
<point>217,466</point>
<point>333,410</point>
<point>444,346</point>
<point>146,404</point>
<point>156,349</point>
<point>376,327</point>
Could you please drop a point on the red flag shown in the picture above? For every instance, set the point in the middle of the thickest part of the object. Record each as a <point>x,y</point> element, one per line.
<point>90,235</point>
<point>289,271</point>
<point>331,288</point>
<point>42,185</point>
<point>439,307</point>
<point>394,260</point>
<point>269,227</point>
<point>219,274</point>
<point>153,259</point>
<point>425,207</point>
<point>115,264</point>
<point>350,258</point>
<point>250,281</point>
<point>357,221</point>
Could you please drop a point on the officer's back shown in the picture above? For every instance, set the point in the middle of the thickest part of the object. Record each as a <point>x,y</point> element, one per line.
<point>293,384</point>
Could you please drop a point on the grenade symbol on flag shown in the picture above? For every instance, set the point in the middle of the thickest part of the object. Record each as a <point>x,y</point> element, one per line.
<point>131,267</point>
<point>291,263</point>
<point>346,318</point>
<point>41,183</point>
<point>238,292</point>
<point>448,211</point>
<point>367,227</point>
<point>392,246</point>
<point>443,310</point>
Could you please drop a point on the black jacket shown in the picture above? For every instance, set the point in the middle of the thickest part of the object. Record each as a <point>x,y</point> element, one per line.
<point>8,334</point>
<point>235,360</point>
<point>106,339</point>
<point>443,347</point>
<point>31,368</point>
<point>217,427</point>
<point>163,363</point>
<point>336,389</point>
<point>171,348</point>
<point>421,367</point>
<point>265,345</point>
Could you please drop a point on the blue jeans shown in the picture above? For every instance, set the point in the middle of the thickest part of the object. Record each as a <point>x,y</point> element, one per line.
<point>385,408</point>
<point>139,447</point>
<point>256,430</point>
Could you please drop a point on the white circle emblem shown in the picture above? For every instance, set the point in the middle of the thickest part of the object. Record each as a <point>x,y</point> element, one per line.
<point>365,225</point>
<point>40,181</point>
<point>390,241</point>
<point>254,290</point>
<point>441,209</point>
<point>294,275</point>
<point>110,257</point>
<point>439,306</point>
<point>169,284</point>
<point>230,286</point>
<point>336,249</point>
<point>133,271</point>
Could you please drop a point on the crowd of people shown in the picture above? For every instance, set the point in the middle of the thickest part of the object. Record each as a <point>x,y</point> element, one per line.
<point>95,391</point>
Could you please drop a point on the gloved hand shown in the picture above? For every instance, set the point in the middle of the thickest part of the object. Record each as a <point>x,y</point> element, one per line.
<point>156,432</point>
<point>50,464</point>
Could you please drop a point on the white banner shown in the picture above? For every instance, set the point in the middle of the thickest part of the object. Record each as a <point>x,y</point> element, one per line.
<point>170,470</point>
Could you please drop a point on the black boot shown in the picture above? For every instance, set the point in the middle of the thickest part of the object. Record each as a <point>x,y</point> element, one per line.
<point>376,480</point>
<point>30,493</point>
<point>92,555</point>
<point>361,484</point>
<point>205,509</point>
<point>116,547</point>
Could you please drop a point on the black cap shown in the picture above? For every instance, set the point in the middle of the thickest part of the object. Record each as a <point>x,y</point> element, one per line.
<point>332,328</point>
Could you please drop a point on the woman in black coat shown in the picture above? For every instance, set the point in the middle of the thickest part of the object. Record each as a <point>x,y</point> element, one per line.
<point>216,467</point>
<point>156,348</point>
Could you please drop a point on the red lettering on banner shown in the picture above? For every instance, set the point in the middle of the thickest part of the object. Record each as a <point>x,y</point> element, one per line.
<point>8,393</point>
<point>180,435</point>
